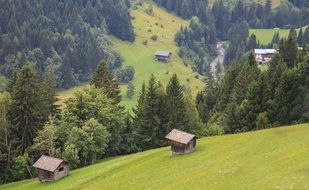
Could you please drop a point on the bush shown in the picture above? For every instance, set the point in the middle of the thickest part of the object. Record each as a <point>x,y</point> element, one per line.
<point>145,42</point>
<point>154,37</point>
<point>214,129</point>
<point>149,30</point>
<point>125,75</point>
<point>262,121</point>
<point>20,168</point>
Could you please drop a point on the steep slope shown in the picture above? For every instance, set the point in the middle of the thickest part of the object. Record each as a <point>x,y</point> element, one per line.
<point>141,56</point>
<point>268,159</point>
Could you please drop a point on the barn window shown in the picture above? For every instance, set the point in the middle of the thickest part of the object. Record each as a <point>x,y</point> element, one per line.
<point>61,169</point>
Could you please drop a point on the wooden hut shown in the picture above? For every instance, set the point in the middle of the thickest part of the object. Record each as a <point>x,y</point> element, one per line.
<point>181,142</point>
<point>51,169</point>
<point>163,56</point>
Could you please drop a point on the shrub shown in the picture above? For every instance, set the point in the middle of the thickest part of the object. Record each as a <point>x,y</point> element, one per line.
<point>154,37</point>
<point>125,75</point>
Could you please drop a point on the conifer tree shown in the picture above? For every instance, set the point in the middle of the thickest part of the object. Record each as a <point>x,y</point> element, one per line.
<point>48,95</point>
<point>177,117</point>
<point>103,78</point>
<point>288,49</point>
<point>26,106</point>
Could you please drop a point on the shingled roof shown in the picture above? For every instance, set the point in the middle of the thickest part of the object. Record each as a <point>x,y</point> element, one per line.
<point>47,163</point>
<point>180,136</point>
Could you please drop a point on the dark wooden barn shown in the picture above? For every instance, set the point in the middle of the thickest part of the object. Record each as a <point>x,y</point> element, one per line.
<point>181,142</point>
<point>163,56</point>
<point>51,169</point>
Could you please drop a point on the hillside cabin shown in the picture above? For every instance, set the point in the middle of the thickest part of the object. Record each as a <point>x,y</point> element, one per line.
<point>164,56</point>
<point>263,56</point>
<point>181,142</point>
<point>51,169</point>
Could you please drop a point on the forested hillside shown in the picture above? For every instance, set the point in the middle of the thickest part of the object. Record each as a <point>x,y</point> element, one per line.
<point>221,22</point>
<point>65,38</point>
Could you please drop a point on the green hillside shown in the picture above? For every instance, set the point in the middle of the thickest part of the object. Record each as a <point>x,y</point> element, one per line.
<point>141,56</point>
<point>268,159</point>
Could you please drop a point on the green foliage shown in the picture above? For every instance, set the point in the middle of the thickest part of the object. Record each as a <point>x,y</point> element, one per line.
<point>104,79</point>
<point>91,102</point>
<point>196,44</point>
<point>6,135</point>
<point>262,121</point>
<point>176,108</point>
<point>44,142</point>
<point>20,169</point>
<point>154,37</point>
<point>125,75</point>
<point>130,90</point>
<point>70,154</point>
<point>65,38</point>
<point>248,99</point>
<point>26,115</point>
<point>90,141</point>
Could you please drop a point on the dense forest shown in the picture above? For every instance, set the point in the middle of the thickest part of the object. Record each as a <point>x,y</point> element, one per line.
<point>65,38</point>
<point>248,99</point>
<point>229,24</point>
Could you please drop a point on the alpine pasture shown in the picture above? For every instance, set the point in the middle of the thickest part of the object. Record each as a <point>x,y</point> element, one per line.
<point>268,159</point>
<point>165,25</point>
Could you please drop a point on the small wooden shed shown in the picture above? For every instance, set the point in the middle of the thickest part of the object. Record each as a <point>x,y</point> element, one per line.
<point>181,142</point>
<point>50,168</point>
<point>163,56</point>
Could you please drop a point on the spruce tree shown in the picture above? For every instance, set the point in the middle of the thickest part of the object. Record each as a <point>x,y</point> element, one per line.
<point>175,103</point>
<point>103,78</point>
<point>48,95</point>
<point>26,106</point>
<point>288,49</point>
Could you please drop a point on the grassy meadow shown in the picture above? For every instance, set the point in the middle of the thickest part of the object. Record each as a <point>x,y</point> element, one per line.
<point>264,36</point>
<point>141,56</point>
<point>268,159</point>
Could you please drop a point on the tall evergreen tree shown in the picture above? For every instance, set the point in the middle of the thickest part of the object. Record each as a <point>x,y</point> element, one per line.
<point>103,78</point>
<point>176,108</point>
<point>288,49</point>
<point>26,106</point>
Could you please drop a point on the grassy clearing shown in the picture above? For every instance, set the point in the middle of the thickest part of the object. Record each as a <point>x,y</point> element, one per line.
<point>141,56</point>
<point>264,36</point>
<point>268,159</point>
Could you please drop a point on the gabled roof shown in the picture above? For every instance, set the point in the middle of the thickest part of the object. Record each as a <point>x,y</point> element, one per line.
<point>47,163</point>
<point>180,136</point>
<point>265,51</point>
<point>162,53</point>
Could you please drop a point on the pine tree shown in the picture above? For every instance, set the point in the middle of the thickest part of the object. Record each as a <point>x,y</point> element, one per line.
<point>300,38</point>
<point>288,49</point>
<point>26,107</point>
<point>130,90</point>
<point>177,117</point>
<point>103,78</point>
<point>49,96</point>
